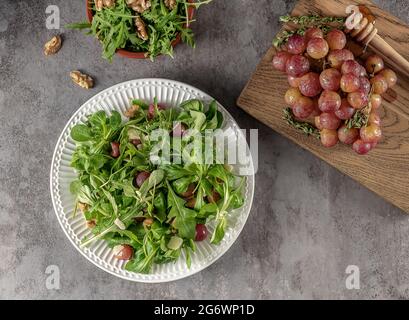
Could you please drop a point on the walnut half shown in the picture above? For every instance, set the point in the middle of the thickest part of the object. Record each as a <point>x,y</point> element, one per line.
<point>53,46</point>
<point>141,28</point>
<point>131,112</point>
<point>139,6</point>
<point>100,4</point>
<point>83,80</point>
<point>171,4</point>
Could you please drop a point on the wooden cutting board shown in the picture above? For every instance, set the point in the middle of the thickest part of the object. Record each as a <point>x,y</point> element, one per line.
<point>386,169</point>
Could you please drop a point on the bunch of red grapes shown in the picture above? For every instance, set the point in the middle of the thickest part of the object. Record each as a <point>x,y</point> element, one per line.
<point>341,89</point>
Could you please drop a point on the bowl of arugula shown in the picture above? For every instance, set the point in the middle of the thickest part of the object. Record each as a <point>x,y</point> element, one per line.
<point>140,30</point>
<point>133,216</point>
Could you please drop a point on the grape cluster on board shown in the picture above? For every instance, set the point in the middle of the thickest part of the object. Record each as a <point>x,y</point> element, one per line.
<point>344,98</point>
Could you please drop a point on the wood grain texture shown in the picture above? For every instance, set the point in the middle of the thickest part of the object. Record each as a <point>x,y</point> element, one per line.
<point>386,169</point>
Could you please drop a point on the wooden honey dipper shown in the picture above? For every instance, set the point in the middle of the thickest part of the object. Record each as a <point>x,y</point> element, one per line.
<point>364,31</point>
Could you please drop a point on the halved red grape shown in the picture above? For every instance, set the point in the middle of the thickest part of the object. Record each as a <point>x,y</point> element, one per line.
<point>330,79</point>
<point>303,107</point>
<point>348,135</point>
<point>336,39</point>
<point>312,33</point>
<point>310,85</point>
<point>297,66</point>
<point>329,101</point>
<point>201,232</point>
<point>358,99</point>
<point>317,48</point>
<point>141,177</point>
<point>280,60</point>
<point>329,138</point>
<point>345,112</point>
<point>349,83</point>
<point>293,81</point>
<point>374,64</point>
<point>329,121</point>
<point>337,57</point>
<point>379,84</point>
<point>371,133</point>
<point>296,44</point>
<point>390,77</point>
<point>361,147</point>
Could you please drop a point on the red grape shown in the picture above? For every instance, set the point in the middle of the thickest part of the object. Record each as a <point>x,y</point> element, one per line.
<point>291,96</point>
<point>141,177</point>
<point>358,99</point>
<point>316,111</point>
<point>361,147</point>
<point>374,118</point>
<point>329,138</point>
<point>303,107</point>
<point>379,84</point>
<point>345,112</point>
<point>317,48</point>
<point>317,121</point>
<point>280,60</point>
<point>371,133</point>
<point>310,85</point>
<point>374,64</point>
<point>336,39</point>
<point>293,81</point>
<point>313,33</point>
<point>201,232</point>
<point>349,83</point>
<point>352,66</point>
<point>337,57</point>
<point>346,135</point>
<point>376,101</point>
<point>390,77</point>
<point>297,66</point>
<point>296,44</point>
<point>329,79</point>
<point>329,121</point>
<point>329,101</point>
<point>364,85</point>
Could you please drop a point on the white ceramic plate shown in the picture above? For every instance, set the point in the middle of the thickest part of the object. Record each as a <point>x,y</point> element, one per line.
<point>170,93</point>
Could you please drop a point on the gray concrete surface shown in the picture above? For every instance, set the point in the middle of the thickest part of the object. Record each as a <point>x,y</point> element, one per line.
<point>308,223</point>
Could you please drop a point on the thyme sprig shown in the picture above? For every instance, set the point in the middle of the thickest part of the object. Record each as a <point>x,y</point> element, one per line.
<point>324,23</point>
<point>305,127</point>
<point>312,19</point>
<point>359,120</point>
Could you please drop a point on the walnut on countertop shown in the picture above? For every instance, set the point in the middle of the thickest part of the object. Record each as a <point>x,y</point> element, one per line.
<point>171,4</point>
<point>139,6</point>
<point>100,4</point>
<point>141,28</point>
<point>81,79</point>
<point>53,46</point>
<point>131,112</point>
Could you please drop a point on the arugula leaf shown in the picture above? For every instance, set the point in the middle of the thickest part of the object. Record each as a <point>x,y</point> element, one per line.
<point>184,221</point>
